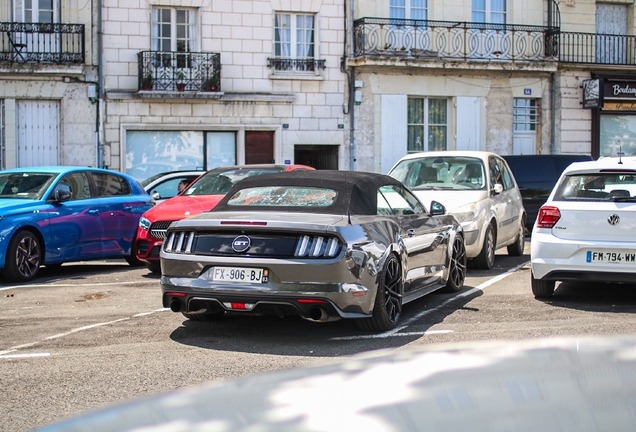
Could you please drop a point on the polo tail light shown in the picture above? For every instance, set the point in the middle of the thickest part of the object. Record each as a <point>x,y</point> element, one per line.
<point>548,217</point>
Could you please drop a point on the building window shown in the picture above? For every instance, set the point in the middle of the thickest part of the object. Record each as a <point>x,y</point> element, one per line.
<point>37,11</point>
<point>173,30</point>
<point>408,9</point>
<point>489,11</point>
<point>294,43</point>
<point>427,124</point>
<point>525,114</point>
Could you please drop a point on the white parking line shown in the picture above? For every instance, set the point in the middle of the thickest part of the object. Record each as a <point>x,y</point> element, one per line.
<point>396,331</point>
<point>6,354</point>
<point>74,285</point>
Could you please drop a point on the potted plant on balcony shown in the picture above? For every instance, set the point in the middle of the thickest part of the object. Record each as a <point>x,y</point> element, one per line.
<point>147,83</point>
<point>180,77</point>
<point>211,84</point>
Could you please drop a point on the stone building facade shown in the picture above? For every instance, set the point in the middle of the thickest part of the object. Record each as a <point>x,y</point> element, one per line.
<point>197,84</point>
<point>48,83</point>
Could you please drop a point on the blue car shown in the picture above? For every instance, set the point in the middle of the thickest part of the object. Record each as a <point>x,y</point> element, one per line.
<point>52,215</point>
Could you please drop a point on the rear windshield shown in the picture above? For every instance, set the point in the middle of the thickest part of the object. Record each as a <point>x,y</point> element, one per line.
<point>25,185</point>
<point>220,182</point>
<point>283,196</point>
<point>597,187</point>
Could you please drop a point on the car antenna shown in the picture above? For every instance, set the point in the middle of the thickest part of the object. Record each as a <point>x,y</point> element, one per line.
<point>620,153</point>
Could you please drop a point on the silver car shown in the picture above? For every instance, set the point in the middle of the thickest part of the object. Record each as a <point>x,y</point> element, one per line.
<point>479,189</point>
<point>323,245</point>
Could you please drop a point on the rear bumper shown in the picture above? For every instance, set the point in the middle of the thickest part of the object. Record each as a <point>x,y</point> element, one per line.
<point>566,260</point>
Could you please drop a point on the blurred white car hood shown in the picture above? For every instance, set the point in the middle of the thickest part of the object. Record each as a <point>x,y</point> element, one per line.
<point>569,384</point>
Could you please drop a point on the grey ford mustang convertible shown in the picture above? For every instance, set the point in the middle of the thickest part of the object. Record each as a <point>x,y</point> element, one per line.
<point>323,245</point>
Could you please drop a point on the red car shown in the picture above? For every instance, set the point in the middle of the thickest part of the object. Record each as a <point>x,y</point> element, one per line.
<point>202,195</point>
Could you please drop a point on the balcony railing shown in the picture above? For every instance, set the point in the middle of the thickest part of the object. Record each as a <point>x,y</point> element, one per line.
<point>597,48</point>
<point>41,43</point>
<point>287,64</point>
<point>453,40</point>
<point>179,71</point>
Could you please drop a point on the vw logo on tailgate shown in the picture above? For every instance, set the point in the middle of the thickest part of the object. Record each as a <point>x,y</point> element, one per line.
<point>613,219</point>
<point>241,243</point>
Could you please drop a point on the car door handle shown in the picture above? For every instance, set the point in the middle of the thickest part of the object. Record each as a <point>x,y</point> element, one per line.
<point>93,212</point>
<point>410,232</point>
<point>128,208</point>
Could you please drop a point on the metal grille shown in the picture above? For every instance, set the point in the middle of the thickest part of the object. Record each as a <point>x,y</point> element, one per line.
<point>179,71</point>
<point>41,43</point>
<point>159,229</point>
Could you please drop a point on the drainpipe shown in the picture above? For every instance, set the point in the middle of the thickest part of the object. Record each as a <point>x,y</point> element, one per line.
<point>352,96</point>
<point>553,113</point>
<point>99,150</point>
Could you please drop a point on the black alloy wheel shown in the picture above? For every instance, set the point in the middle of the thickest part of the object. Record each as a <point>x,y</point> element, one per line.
<point>388,300</point>
<point>24,257</point>
<point>457,266</point>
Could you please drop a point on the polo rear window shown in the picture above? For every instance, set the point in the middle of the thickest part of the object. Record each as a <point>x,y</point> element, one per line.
<point>601,186</point>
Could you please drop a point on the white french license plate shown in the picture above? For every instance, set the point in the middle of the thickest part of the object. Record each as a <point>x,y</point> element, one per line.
<point>611,257</point>
<point>238,274</point>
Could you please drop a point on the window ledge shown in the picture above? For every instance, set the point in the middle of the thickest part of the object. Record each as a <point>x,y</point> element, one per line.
<point>299,77</point>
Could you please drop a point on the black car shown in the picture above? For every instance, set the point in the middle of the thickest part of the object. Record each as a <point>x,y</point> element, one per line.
<point>536,176</point>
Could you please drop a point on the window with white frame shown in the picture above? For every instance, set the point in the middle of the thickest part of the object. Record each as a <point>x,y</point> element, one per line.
<point>37,11</point>
<point>407,9</point>
<point>489,11</point>
<point>427,124</point>
<point>525,114</point>
<point>173,30</point>
<point>294,43</point>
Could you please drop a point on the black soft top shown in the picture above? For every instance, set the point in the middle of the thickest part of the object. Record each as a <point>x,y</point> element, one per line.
<point>356,191</point>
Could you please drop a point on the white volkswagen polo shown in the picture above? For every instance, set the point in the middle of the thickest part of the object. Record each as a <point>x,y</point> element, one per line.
<point>586,229</point>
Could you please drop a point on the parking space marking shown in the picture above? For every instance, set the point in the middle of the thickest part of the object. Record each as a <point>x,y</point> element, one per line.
<point>75,285</point>
<point>6,354</point>
<point>397,331</point>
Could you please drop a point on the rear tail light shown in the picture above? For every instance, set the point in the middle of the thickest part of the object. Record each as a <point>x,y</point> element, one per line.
<point>548,217</point>
<point>179,242</point>
<point>317,246</point>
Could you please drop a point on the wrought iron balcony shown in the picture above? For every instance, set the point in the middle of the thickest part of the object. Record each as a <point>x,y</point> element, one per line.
<point>179,71</point>
<point>41,43</point>
<point>288,64</point>
<point>597,48</point>
<point>426,39</point>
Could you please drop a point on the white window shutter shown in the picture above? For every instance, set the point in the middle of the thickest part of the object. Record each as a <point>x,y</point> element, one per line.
<point>393,130</point>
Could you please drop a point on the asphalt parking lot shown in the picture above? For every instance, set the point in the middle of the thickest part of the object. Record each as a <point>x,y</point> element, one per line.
<point>89,335</point>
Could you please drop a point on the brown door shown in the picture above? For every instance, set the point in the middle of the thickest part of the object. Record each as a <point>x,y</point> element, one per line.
<point>259,147</point>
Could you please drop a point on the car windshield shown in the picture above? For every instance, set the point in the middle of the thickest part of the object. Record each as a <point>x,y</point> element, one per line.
<point>220,182</point>
<point>447,173</point>
<point>604,186</point>
<point>31,185</point>
<point>146,182</point>
<point>283,196</point>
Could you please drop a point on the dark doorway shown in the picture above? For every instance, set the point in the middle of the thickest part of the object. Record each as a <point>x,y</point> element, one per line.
<point>259,147</point>
<point>317,156</point>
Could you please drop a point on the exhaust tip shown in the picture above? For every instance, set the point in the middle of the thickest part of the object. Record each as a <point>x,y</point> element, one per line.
<point>318,314</point>
<point>175,306</point>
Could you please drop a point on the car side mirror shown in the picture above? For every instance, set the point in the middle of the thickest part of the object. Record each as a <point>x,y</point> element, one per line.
<point>62,195</point>
<point>437,208</point>
<point>156,195</point>
<point>497,188</point>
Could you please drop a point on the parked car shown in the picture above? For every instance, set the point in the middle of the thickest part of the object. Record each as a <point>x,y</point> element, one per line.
<point>166,185</point>
<point>548,385</point>
<point>585,230</point>
<point>53,215</point>
<point>323,245</point>
<point>202,195</point>
<point>536,176</point>
<point>476,187</point>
